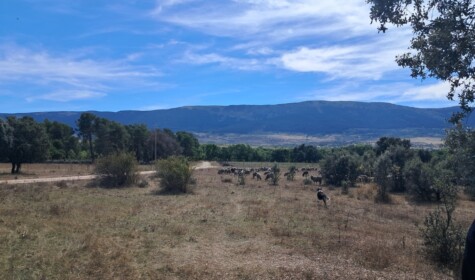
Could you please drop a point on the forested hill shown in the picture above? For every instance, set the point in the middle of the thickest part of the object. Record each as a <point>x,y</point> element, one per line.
<point>311,118</point>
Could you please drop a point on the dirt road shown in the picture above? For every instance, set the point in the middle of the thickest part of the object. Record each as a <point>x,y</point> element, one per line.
<point>58,179</point>
<point>199,165</point>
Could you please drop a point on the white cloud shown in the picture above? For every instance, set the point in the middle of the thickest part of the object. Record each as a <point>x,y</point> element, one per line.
<point>392,92</point>
<point>362,61</point>
<point>279,20</point>
<point>67,95</point>
<point>435,91</point>
<point>65,78</point>
<point>246,64</point>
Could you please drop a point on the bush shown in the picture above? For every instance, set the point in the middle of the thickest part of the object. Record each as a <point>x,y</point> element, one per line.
<point>175,174</point>
<point>419,180</point>
<point>117,170</point>
<point>276,172</point>
<point>444,239</point>
<point>383,175</point>
<point>291,173</point>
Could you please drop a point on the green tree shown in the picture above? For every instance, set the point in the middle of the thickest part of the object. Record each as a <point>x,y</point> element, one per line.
<point>87,130</point>
<point>64,144</point>
<point>383,175</point>
<point>385,143</point>
<point>443,42</point>
<point>30,142</point>
<point>189,143</point>
<point>162,144</point>
<point>460,143</point>
<point>419,179</point>
<point>6,140</point>
<point>339,167</point>
<point>139,135</point>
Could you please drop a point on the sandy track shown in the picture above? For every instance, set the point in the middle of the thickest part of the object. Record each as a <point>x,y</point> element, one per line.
<point>58,179</point>
<point>204,165</point>
<point>200,165</point>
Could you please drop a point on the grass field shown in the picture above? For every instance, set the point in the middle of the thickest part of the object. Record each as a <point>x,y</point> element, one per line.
<point>220,231</point>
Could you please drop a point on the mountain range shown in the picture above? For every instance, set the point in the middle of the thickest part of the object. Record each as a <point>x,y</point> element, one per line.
<point>304,118</point>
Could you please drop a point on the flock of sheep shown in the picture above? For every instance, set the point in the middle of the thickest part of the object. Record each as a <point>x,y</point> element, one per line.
<point>267,173</point>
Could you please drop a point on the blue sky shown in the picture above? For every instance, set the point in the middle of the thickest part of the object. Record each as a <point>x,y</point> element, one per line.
<point>58,55</point>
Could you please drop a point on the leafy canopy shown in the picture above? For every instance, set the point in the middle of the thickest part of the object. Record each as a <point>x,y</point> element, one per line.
<point>443,43</point>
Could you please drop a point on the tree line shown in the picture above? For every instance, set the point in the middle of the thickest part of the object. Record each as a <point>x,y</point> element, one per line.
<point>392,162</point>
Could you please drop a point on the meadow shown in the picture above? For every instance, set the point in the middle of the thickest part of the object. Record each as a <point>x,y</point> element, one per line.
<point>222,230</point>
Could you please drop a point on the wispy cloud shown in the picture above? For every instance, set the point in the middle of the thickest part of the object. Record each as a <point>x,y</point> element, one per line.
<point>66,77</point>
<point>393,92</point>
<point>67,95</point>
<point>276,19</point>
<point>360,60</point>
<point>246,64</point>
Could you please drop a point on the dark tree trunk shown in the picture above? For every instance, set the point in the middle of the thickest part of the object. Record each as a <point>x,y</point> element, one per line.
<point>90,147</point>
<point>16,167</point>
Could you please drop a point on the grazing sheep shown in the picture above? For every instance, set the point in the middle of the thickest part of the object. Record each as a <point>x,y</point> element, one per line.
<point>322,196</point>
<point>269,176</point>
<point>468,265</point>
<point>258,177</point>
<point>317,179</point>
<point>305,174</point>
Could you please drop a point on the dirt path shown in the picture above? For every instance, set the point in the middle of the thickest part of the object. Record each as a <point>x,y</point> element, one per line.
<point>204,165</point>
<point>58,179</point>
<point>200,165</point>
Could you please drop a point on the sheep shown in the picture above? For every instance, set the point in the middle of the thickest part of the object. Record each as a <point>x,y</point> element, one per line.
<point>322,196</point>
<point>305,174</point>
<point>269,176</point>
<point>317,179</point>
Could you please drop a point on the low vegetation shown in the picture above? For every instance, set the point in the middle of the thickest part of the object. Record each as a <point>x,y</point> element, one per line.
<point>117,170</point>
<point>222,231</point>
<point>175,174</point>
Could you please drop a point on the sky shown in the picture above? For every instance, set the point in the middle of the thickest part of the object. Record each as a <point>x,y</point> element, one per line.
<point>58,55</point>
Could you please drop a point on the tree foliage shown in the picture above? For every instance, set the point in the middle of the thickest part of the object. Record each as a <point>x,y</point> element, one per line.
<point>30,143</point>
<point>443,43</point>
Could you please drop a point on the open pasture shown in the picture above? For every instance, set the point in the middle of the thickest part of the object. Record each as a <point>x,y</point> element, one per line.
<point>221,231</point>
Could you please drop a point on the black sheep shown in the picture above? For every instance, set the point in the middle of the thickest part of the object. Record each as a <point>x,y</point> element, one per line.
<point>468,265</point>
<point>322,196</point>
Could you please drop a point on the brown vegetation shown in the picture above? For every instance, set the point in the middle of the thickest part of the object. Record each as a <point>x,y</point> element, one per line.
<point>221,231</point>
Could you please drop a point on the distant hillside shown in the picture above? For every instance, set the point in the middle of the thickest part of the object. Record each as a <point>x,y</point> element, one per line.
<point>308,118</point>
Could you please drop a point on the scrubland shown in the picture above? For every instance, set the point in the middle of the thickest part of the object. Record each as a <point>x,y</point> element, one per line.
<point>222,230</point>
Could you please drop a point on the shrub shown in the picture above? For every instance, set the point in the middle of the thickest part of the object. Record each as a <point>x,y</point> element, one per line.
<point>174,173</point>
<point>276,172</point>
<point>444,239</point>
<point>307,182</point>
<point>419,180</point>
<point>383,175</point>
<point>117,170</point>
<point>291,173</point>
<point>241,180</point>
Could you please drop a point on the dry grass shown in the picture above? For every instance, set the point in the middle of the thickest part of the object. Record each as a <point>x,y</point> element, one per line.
<point>221,231</point>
